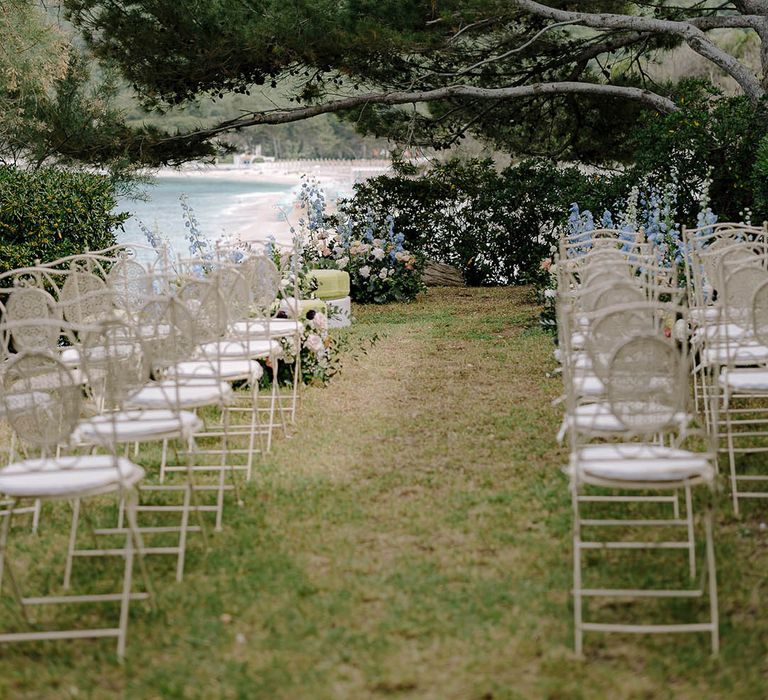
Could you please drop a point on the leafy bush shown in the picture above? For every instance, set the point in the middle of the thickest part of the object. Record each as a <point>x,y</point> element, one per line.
<point>713,142</point>
<point>50,213</point>
<point>494,226</point>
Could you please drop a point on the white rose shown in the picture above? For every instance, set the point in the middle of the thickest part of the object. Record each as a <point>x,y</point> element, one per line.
<point>365,271</point>
<point>391,271</point>
<point>342,262</point>
<point>378,253</point>
<point>383,274</point>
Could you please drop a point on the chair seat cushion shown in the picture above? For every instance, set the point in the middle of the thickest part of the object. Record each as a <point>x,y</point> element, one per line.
<point>598,417</point>
<point>743,354</point>
<point>257,328</point>
<point>641,463</point>
<point>721,333</point>
<point>136,425</point>
<point>704,314</point>
<point>67,477</point>
<point>72,356</point>
<point>745,380</point>
<point>243,349</point>
<point>22,403</point>
<point>186,393</point>
<point>588,385</point>
<point>578,340</point>
<point>224,370</point>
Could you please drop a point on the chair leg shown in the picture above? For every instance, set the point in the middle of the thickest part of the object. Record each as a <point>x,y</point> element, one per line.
<point>252,434</point>
<point>578,632</point>
<point>183,530</point>
<point>222,468</point>
<point>296,380</point>
<point>163,460</point>
<point>6,568</point>
<point>138,543</point>
<point>36,515</point>
<point>72,542</point>
<point>273,404</point>
<point>732,463</point>
<point>690,528</point>
<point>126,597</point>
<point>712,574</point>
<point>4,540</point>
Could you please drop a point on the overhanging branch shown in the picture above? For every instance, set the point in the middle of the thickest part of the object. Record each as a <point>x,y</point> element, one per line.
<point>284,116</point>
<point>688,30</point>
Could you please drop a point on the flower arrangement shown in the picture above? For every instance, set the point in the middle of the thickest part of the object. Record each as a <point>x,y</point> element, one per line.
<point>380,268</point>
<point>650,210</point>
<point>320,353</point>
<point>649,214</point>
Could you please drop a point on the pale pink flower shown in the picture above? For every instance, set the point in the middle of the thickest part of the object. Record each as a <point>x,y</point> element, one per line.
<point>315,343</point>
<point>320,321</point>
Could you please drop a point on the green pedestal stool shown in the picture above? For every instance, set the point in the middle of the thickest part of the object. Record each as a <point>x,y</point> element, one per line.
<point>333,288</point>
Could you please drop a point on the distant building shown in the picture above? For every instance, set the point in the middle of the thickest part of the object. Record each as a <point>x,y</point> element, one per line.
<point>245,160</point>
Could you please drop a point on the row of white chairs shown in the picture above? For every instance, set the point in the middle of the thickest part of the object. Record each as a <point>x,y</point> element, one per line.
<point>727,285</point>
<point>636,453</point>
<point>104,354</point>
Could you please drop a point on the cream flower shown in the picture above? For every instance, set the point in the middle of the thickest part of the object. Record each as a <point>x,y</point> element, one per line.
<point>342,262</point>
<point>383,274</point>
<point>315,343</point>
<point>365,271</point>
<point>378,253</point>
<point>320,321</point>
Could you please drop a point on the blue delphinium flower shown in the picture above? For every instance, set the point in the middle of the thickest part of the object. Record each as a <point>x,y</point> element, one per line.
<point>199,245</point>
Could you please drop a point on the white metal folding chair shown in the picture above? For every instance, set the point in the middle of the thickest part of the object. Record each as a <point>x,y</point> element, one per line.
<point>647,388</point>
<point>45,424</point>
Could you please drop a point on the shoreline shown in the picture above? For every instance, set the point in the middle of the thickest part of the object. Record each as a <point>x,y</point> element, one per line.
<point>257,218</point>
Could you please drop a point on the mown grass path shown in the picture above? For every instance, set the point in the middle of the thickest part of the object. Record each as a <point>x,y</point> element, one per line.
<point>411,540</point>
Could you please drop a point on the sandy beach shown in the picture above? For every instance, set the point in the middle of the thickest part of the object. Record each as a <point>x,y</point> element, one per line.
<point>273,214</point>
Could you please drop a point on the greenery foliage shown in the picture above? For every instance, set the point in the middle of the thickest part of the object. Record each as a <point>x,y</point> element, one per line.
<point>494,226</point>
<point>178,53</point>
<point>714,139</point>
<point>50,213</point>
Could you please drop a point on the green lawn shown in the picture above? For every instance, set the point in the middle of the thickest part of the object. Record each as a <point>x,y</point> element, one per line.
<point>411,540</point>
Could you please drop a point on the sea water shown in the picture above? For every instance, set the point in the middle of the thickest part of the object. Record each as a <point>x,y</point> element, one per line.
<point>222,207</point>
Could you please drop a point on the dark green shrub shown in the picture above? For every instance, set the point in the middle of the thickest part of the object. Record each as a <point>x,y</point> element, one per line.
<point>494,226</point>
<point>50,213</point>
<point>711,138</point>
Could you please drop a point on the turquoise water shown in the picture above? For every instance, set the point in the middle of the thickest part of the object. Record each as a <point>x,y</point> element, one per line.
<point>220,206</point>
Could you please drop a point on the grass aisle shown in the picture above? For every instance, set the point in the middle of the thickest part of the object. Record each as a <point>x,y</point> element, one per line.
<point>410,541</point>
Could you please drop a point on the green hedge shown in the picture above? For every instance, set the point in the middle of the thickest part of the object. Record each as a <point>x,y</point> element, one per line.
<point>50,213</point>
<point>495,226</point>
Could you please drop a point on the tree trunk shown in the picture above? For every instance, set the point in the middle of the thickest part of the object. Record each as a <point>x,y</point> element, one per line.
<point>438,274</point>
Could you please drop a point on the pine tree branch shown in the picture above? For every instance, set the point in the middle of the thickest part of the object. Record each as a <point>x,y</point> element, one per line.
<point>284,116</point>
<point>689,30</point>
